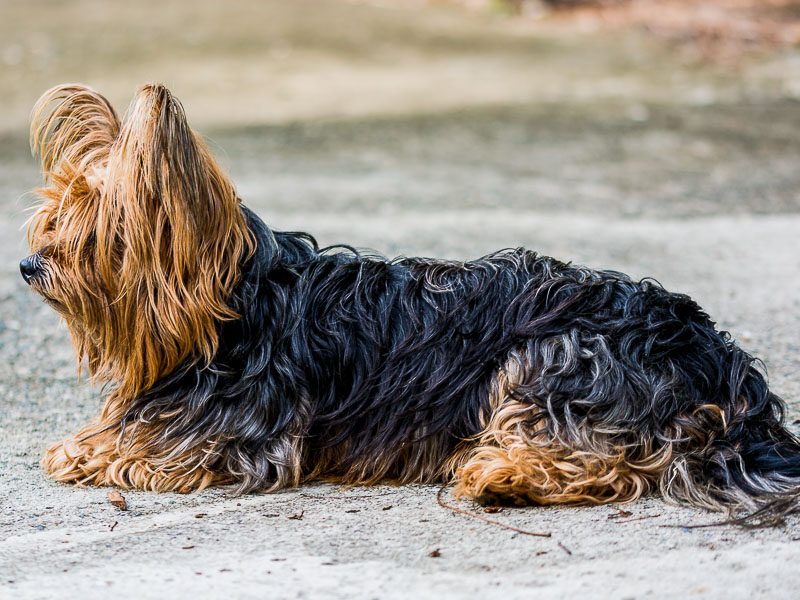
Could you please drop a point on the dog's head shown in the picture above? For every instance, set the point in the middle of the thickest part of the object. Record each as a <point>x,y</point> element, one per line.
<point>139,237</point>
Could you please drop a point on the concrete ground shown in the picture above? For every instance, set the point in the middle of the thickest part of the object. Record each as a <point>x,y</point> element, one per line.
<point>412,132</point>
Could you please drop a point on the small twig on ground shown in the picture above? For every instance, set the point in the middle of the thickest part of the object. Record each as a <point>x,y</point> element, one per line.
<point>703,526</point>
<point>564,548</point>
<point>639,518</point>
<point>480,518</point>
<point>345,497</point>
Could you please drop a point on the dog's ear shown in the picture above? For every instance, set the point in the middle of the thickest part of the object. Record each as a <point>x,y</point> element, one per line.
<point>71,125</point>
<point>170,242</point>
<point>163,172</point>
<point>72,130</point>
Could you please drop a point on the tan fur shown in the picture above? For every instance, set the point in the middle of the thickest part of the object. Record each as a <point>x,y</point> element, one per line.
<point>511,461</point>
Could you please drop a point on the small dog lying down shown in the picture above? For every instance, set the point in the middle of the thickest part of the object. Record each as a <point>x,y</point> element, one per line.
<point>246,357</point>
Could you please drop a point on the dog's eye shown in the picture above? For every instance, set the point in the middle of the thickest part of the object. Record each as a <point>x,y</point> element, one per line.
<point>62,248</point>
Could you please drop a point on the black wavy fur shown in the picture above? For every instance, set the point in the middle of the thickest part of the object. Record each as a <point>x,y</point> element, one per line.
<point>361,368</point>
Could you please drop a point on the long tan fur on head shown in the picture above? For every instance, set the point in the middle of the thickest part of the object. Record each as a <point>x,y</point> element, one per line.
<point>139,230</point>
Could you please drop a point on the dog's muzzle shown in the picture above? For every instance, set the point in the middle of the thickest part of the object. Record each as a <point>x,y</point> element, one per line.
<point>30,266</point>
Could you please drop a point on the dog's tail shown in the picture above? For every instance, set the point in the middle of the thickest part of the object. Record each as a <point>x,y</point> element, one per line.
<point>740,458</point>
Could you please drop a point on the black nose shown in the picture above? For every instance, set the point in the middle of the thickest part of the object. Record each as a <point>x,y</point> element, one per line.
<point>29,267</point>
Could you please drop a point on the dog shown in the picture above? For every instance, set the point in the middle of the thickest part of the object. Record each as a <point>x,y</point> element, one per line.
<point>246,357</point>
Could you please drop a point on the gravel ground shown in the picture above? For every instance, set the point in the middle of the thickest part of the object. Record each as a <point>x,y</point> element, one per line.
<point>694,183</point>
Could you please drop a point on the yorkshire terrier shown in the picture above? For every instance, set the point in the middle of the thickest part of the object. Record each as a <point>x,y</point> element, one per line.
<point>246,357</point>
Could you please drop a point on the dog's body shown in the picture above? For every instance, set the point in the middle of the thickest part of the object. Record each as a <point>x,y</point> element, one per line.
<point>247,357</point>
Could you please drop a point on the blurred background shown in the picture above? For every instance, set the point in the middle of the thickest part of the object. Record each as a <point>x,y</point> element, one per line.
<point>625,108</point>
<point>249,62</point>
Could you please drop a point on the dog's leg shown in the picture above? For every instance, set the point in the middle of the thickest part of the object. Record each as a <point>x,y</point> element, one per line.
<point>82,459</point>
<point>97,456</point>
<point>534,452</point>
<point>510,466</point>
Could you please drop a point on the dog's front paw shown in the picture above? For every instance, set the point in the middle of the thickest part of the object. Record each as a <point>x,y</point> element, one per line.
<point>60,462</point>
<point>96,457</point>
<point>73,461</point>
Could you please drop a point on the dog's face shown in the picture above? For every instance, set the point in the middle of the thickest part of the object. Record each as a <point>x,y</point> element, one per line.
<point>139,236</point>
<point>73,130</point>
